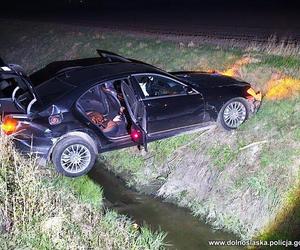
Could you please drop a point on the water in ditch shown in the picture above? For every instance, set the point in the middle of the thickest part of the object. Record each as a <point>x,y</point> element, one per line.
<point>184,231</point>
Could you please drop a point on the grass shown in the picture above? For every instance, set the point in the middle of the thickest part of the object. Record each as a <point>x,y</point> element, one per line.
<point>85,190</point>
<point>43,210</point>
<point>286,221</point>
<point>130,162</point>
<point>124,161</point>
<point>240,180</point>
<point>222,155</point>
<point>163,149</point>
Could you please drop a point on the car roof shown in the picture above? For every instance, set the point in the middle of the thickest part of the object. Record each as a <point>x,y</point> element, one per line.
<point>101,72</point>
<point>52,69</point>
<point>82,78</point>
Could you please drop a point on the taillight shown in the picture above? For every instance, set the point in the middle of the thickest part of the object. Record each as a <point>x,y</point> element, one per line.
<point>135,135</point>
<point>256,95</point>
<point>9,125</point>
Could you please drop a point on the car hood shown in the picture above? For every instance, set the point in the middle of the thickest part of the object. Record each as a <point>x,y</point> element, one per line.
<point>208,80</point>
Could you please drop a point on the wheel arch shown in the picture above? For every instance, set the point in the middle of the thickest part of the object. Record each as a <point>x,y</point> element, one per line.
<point>215,98</point>
<point>225,98</point>
<point>84,135</point>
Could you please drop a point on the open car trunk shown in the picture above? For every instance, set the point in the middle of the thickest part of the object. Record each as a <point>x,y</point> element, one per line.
<point>13,83</point>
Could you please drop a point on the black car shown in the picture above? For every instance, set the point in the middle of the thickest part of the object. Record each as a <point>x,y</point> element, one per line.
<point>70,111</point>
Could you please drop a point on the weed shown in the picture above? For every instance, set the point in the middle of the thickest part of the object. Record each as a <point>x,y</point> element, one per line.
<point>222,155</point>
<point>164,148</point>
<point>83,188</point>
<point>125,160</point>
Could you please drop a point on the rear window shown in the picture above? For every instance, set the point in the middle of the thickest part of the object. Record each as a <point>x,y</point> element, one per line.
<point>52,90</point>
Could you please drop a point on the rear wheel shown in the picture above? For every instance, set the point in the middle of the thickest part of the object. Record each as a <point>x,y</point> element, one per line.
<point>73,156</point>
<point>233,113</point>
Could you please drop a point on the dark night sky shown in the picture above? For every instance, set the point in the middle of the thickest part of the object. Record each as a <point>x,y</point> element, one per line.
<point>246,13</point>
<point>152,4</point>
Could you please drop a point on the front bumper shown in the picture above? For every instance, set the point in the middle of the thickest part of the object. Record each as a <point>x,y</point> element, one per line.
<point>254,105</point>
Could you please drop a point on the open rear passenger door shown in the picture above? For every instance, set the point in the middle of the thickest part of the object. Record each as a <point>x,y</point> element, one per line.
<point>137,112</point>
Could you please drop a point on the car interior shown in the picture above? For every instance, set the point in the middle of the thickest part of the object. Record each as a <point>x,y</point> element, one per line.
<point>7,87</point>
<point>104,106</point>
<point>154,85</point>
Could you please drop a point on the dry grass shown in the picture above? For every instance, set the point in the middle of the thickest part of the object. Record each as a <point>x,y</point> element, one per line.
<point>283,47</point>
<point>271,46</point>
<point>281,87</point>
<point>37,212</point>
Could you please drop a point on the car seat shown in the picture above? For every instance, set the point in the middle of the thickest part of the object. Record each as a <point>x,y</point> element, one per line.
<point>92,100</point>
<point>110,100</point>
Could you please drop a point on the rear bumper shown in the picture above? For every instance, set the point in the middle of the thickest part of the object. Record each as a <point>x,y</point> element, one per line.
<point>39,147</point>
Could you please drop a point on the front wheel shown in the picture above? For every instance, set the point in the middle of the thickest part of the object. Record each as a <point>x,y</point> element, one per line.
<point>233,113</point>
<point>73,156</point>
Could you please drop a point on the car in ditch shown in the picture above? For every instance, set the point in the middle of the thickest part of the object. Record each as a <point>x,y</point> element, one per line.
<point>70,111</point>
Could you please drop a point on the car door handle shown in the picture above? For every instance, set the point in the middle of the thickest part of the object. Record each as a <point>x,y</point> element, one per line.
<point>155,105</point>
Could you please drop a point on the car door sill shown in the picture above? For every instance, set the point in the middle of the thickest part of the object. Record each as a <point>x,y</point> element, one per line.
<point>118,138</point>
<point>187,129</point>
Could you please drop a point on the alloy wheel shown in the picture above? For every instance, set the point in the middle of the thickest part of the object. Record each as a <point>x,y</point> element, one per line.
<point>234,114</point>
<point>75,158</point>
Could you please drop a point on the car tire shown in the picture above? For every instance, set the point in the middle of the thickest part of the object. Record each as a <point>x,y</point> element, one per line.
<point>233,113</point>
<point>73,156</point>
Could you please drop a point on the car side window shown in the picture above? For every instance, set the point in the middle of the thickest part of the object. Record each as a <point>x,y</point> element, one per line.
<point>156,85</point>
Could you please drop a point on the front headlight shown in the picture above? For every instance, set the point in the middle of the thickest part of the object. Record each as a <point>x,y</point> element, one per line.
<point>256,95</point>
